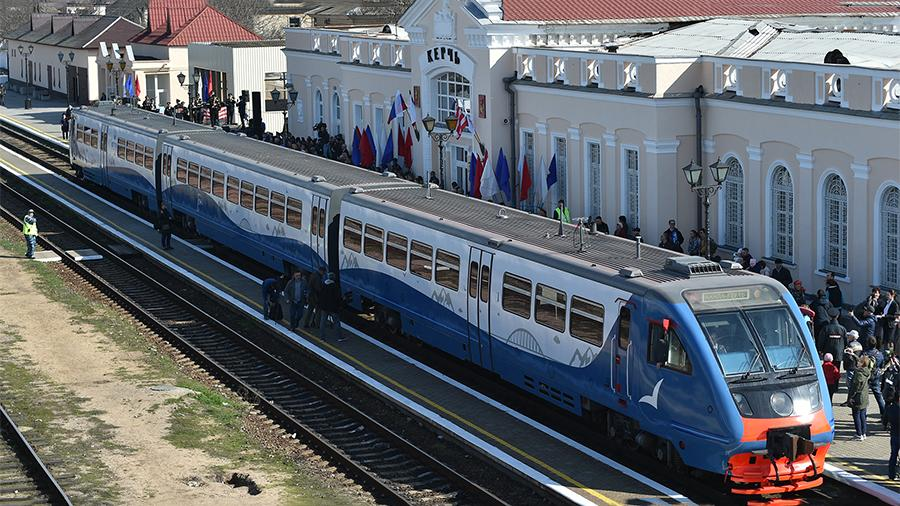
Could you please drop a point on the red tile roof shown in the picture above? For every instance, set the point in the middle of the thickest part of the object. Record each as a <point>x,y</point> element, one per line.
<point>601,10</point>
<point>180,22</point>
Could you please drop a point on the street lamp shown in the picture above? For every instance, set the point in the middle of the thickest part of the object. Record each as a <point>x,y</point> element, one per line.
<point>28,74</point>
<point>694,175</point>
<point>293,94</point>
<point>440,137</point>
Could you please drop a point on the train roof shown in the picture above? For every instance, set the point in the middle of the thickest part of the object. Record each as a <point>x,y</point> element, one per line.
<point>151,122</point>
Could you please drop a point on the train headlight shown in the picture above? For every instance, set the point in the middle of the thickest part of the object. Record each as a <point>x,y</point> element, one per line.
<point>781,404</point>
<point>742,404</point>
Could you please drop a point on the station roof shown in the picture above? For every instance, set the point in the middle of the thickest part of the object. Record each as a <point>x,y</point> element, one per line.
<point>76,32</point>
<point>771,40</point>
<point>593,11</point>
<point>180,22</point>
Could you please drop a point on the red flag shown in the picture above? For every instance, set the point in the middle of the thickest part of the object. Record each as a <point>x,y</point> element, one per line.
<point>137,86</point>
<point>526,180</point>
<point>479,171</point>
<point>366,155</point>
<point>409,155</point>
<point>209,85</point>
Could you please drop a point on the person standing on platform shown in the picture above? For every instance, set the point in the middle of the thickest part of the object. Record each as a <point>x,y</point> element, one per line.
<point>834,291</point>
<point>893,426</point>
<point>832,375</point>
<point>858,396</point>
<point>64,125</point>
<point>30,231</point>
<point>296,296</point>
<point>866,324</point>
<point>164,225</point>
<point>562,211</point>
<point>330,305</point>
<point>887,319</point>
<point>229,108</point>
<point>781,274</point>
<point>269,296</point>
<point>313,290</point>
<point>832,338</point>
<point>3,95</point>
<point>672,239</point>
<point>242,111</point>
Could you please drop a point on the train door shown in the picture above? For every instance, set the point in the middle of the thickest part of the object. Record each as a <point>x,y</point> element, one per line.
<point>479,305</point>
<point>317,229</point>
<point>104,157</point>
<point>622,352</point>
<point>163,175</point>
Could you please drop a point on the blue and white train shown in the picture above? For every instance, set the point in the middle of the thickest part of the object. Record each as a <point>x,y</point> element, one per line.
<point>692,361</point>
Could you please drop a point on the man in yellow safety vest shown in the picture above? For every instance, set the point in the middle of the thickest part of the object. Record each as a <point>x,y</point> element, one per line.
<point>30,230</point>
<point>562,211</point>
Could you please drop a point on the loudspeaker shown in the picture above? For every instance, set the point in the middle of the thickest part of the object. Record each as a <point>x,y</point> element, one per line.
<point>256,121</point>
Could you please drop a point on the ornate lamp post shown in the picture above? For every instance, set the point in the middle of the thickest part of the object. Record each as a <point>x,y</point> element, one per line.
<point>292,94</point>
<point>441,138</point>
<point>109,68</point>
<point>28,74</point>
<point>694,175</point>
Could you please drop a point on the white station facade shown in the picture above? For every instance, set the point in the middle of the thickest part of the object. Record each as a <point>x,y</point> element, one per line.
<point>814,148</point>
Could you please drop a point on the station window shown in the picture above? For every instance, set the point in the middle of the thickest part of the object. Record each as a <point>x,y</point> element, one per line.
<point>276,210</point>
<point>247,194</point>
<point>129,151</point>
<point>516,295</point>
<point>322,222</point>
<point>194,175</point>
<point>148,158</point>
<point>352,234</point>
<point>120,147</point>
<point>666,349</point>
<point>550,307</point>
<point>261,203</point>
<point>139,155</point>
<point>586,320</point>
<point>233,190</point>
<point>420,260</point>
<point>446,271</point>
<point>397,247</point>
<point>206,179</point>
<point>373,245</point>
<point>294,213</point>
<point>181,171</point>
<point>218,183</point>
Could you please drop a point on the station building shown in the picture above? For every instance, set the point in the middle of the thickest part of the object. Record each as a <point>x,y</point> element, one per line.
<point>614,92</point>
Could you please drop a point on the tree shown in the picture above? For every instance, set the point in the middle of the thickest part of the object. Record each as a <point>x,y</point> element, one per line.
<point>14,14</point>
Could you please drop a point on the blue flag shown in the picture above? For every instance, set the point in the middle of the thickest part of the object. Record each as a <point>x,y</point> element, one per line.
<point>473,168</point>
<point>204,86</point>
<point>388,150</point>
<point>551,173</point>
<point>354,153</point>
<point>129,86</point>
<point>502,173</point>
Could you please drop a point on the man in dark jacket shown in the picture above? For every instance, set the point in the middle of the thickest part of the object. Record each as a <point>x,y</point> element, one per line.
<point>877,358</point>
<point>887,319</point>
<point>834,291</point>
<point>313,290</point>
<point>832,338</point>
<point>330,305</point>
<point>781,274</point>
<point>164,225</point>
<point>672,238</point>
<point>822,307</point>
<point>893,426</point>
<point>270,296</point>
<point>295,291</point>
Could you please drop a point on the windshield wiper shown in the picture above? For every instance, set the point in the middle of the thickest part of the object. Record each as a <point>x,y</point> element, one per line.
<point>752,365</point>
<point>804,353</point>
<point>745,379</point>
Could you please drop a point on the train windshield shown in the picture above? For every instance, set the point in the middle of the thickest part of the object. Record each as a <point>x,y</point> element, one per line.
<point>750,330</point>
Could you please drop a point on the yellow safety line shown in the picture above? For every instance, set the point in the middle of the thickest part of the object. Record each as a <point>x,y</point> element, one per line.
<point>387,379</point>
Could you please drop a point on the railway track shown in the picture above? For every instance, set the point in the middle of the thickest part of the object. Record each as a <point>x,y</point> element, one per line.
<point>24,479</point>
<point>390,467</point>
<point>702,490</point>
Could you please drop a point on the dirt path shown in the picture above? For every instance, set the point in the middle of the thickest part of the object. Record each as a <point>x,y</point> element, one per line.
<point>146,437</point>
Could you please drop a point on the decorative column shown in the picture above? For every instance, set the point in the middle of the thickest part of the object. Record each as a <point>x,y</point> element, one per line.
<point>611,173</point>
<point>541,152</point>
<point>807,254</point>
<point>860,234</point>
<point>755,224</point>
<point>574,166</point>
<point>658,178</point>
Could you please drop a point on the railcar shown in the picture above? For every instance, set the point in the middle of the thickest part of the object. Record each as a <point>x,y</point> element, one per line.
<point>700,364</point>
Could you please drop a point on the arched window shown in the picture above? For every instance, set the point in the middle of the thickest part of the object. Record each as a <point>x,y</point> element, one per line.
<point>319,110</point>
<point>782,214</point>
<point>835,207</point>
<point>336,112</point>
<point>734,204</point>
<point>449,87</point>
<point>890,238</point>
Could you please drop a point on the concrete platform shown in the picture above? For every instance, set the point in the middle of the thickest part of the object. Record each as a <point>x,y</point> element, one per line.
<point>578,474</point>
<point>44,115</point>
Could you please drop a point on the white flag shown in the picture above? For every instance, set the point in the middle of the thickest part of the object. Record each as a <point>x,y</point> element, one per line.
<point>540,189</point>
<point>488,185</point>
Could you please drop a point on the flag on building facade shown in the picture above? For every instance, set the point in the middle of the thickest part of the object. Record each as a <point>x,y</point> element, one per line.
<point>488,186</point>
<point>366,155</point>
<point>502,174</point>
<point>128,91</point>
<point>414,118</point>
<point>551,173</point>
<point>223,113</point>
<point>204,94</point>
<point>409,153</point>
<point>462,120</point>
<point>473,174</point>
<point>373,148</point>
<point>137,86</point>
<point>540,191</point>
<point>397,108</point>
<point>388,153</point>
<point>209,86</point>
<point>354,152</point>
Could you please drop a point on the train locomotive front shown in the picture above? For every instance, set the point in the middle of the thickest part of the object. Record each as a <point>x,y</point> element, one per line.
<point>780,423</point>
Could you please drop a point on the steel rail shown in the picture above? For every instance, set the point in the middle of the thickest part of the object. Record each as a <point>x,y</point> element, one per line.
<point>39,474</point>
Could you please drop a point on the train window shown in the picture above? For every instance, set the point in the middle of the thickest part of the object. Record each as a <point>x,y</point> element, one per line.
<point>94,137</point>
<point>446,271</point>
<point>261,203</point>
<point>129,151</point>
<point>120,149</point>
<point>247,194</point>
<point>218,184</point>
<point>167,164</point>
<point>294,213</point>
<point>473,279</point>
<point>148,158</point>
<point>139,155</point>
<point>420,260</point>
<point>485,283</point>
<point>322,222</point>
<point>194,175</point>
<point>181,170</point>
<point>586,320</point>
<point>624,327</point>
<point>550,307</point>
<point>666,349</point>
<point>79,135</point>
<point>352,234</point>
<point>276,209</point>
<point>314,226</point>
<point>516,296</point>
<point>373,244</point>
<point>233,191</point>
<point>206,179</point>
<point>103,140</point>
<point>397,247</point>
